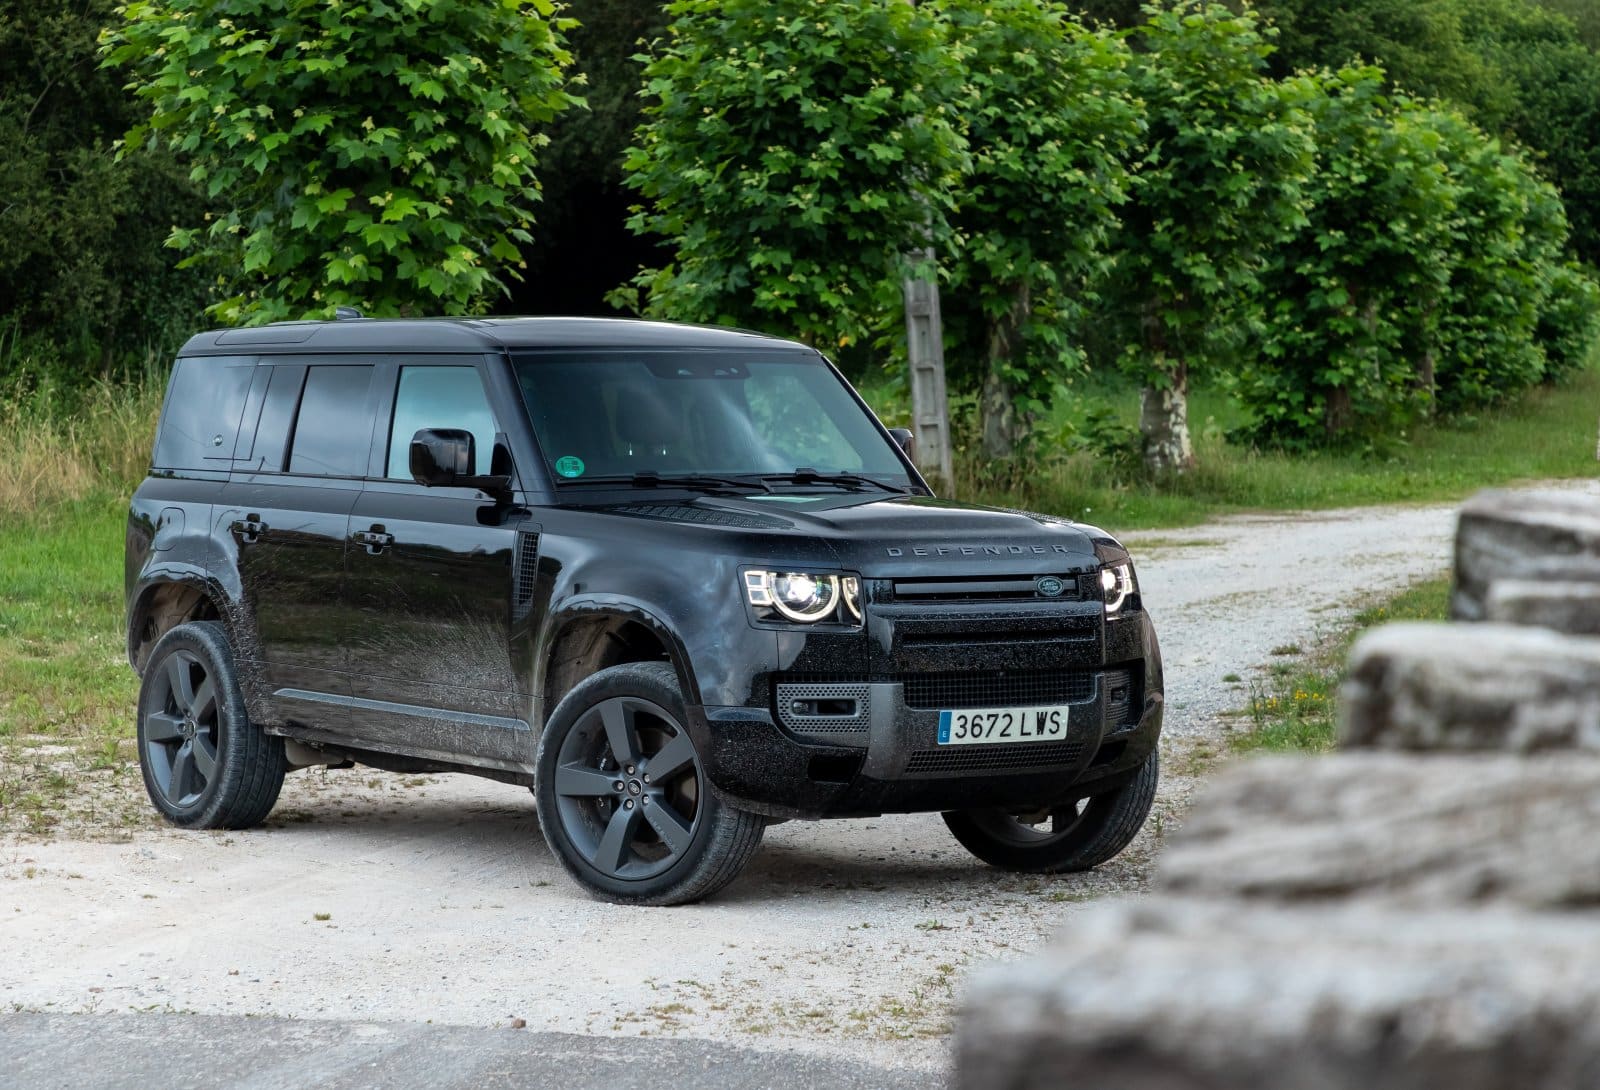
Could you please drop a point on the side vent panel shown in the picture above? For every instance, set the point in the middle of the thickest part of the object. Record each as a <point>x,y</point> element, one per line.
<point>527,569</point>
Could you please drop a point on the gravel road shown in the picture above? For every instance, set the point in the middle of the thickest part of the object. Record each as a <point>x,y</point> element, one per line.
<point>411,899</point>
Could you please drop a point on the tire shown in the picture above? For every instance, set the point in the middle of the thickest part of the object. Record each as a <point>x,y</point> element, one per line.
<point>205,765</point>
<point>1080,837</point>
<point>667,842</point>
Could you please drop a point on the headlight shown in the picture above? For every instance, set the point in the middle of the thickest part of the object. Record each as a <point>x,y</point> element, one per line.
<point>1116,586</point>
<point>805,597</point>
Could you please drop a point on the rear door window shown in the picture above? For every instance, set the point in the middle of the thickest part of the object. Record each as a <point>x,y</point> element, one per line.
<point>205,401</point>
<point>332,431</point>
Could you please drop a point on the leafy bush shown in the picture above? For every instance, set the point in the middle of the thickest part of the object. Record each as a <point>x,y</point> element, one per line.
<point>1569,322</point>
<point>1051,124</point>
<point>791,153</point>
<point>1217,181</point>
<point>380,155</point>
<point>1352,300</point>
<point>85,283</point>
<point>1510,234</point>
<point>1429,277</point>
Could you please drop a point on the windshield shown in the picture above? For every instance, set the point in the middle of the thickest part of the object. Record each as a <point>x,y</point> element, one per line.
<point>706,411</point>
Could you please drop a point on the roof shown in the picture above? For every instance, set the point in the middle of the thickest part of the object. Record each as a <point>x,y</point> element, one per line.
<point>469,334</point>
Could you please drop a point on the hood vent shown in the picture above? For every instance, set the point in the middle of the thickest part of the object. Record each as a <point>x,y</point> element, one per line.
<point>703,516</point>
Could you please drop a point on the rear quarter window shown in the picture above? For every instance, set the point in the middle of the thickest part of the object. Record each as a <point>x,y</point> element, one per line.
<point>200,423</point>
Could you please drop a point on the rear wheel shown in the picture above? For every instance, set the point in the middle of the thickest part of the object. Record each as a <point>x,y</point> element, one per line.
<point>205,765</point>
<point>623,799</point>
<point>1075,837</point>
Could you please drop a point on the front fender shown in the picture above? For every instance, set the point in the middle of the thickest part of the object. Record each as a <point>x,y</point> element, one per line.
<point>588,607</point>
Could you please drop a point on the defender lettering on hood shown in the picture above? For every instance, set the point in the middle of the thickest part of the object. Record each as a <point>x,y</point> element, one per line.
<point>977,550</point>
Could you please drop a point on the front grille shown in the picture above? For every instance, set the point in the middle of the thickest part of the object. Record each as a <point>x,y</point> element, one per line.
<point>1041,757</point>
<point>994,689</point>
<point>993,588</point>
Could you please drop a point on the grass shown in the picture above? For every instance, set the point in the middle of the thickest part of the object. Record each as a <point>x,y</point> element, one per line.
<point>1296,710</point>
<point>1548,434</point>
<point>66,692</point>
<point>72,446</point>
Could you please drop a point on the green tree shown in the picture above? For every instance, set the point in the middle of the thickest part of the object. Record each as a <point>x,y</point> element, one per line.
<point>369,153</point>
<point>1510,234</point>
<point>1552,101</point>
<point>1585,16</point>
<point>83,275</point>
<point>791,152</point>
<point>1051,124</point>
<point>1217,182</point>
<point>1352,301</point>
<point>1419,43</point>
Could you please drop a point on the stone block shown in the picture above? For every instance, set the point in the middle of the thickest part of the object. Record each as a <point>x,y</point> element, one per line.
<point>1445,831</point>
<point>1179,994</point>
<point>1573,608</point>
<point>1536,535</point>
<point>1483,687</point>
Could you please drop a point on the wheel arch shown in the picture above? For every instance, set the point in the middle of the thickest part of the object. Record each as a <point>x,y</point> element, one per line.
<point>167,599</point>
<point>591,634</point>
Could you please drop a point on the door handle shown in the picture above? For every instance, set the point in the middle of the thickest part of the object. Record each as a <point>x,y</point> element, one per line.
<point>376,539</point>
<point>249,528</point>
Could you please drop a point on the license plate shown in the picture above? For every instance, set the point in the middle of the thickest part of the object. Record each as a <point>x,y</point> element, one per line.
<point>987,726</point>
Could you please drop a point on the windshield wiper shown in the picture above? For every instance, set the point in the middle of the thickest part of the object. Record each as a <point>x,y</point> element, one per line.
<point>696,482</point>
<point>805,475</point>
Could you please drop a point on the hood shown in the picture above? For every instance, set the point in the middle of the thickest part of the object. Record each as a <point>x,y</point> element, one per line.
<point>881,536</point>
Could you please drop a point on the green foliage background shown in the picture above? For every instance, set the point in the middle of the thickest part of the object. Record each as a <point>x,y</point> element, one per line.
<point>792,153</point>
<point>83,274</point>
<point>379,154</point>
<point>1343,249</point>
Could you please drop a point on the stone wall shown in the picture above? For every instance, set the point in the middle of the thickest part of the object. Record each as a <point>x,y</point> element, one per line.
<point>1418,910</point>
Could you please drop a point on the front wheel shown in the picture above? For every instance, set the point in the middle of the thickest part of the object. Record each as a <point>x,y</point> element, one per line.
<point>623,799</point>
<point>1075,837</point>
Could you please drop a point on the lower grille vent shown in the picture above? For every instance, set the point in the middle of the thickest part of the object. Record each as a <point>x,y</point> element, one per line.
<point>985,689</point>
<point>1040,757</point>
<point>1120,696</point>
<point>825,709</point>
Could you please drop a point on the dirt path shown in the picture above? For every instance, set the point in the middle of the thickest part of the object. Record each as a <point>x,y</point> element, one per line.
<point>415,899</point>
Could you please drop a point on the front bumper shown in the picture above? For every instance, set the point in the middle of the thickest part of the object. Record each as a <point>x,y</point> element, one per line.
<point>885,758</point>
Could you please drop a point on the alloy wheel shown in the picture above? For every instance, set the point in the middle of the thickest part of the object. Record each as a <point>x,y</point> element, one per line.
<point>181,737</point>
<point>629,788</point>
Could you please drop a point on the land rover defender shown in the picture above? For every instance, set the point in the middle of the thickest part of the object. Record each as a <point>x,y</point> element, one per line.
<point>679,581</point>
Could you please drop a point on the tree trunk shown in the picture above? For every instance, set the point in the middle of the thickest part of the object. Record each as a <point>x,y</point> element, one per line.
<point>1338,412</point>
<point>1003,426</point>
<point>1164,423</point>
<point>1426,378</point>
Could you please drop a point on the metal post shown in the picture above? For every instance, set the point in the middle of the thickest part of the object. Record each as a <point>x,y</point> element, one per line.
<point>930,408</point>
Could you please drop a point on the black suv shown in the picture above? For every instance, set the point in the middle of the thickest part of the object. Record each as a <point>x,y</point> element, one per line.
<point>680,581</point>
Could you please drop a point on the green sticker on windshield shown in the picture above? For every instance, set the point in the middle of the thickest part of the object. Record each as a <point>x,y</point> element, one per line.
<point>569,466</point>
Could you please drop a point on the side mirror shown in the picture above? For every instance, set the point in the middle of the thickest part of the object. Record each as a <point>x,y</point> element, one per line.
<point>906,441</point>
<point>445,457</point>
<point>442,456</point>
